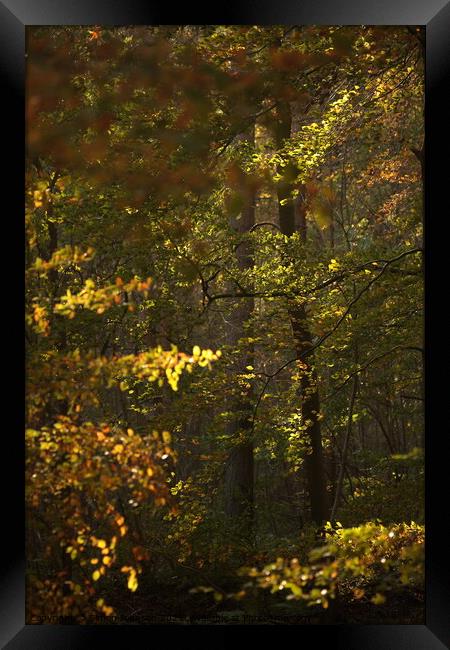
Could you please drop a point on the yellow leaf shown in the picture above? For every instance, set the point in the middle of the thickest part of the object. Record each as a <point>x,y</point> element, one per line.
<point>166,437</point>
<point>96,575</point>
<point>333,265</point>
<point>117,449</point>
<point>132,581</point>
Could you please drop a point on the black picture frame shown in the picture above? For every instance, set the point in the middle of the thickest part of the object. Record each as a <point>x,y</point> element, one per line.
<point>15,15</point>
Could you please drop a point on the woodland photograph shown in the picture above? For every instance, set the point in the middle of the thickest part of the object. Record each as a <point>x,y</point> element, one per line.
<point>224,303</point>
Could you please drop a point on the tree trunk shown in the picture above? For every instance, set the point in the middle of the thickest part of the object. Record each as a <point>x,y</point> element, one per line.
<point>292,212</point>
<point>340,482</point>
<point>239,476</point>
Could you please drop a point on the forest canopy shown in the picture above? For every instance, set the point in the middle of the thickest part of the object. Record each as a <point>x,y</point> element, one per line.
<point>224,323</point>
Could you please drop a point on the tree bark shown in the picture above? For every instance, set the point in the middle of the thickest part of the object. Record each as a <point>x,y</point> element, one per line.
<point>239,476</point>
<point>291,212</point>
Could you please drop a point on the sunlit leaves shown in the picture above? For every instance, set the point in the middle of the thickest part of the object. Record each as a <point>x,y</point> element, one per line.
<point>62,258</point>
<point>84,460</point>
<point>375,552</point>
<point>100,299</point>
<point>156,365</point>
<point>334,265</point>
<point>132,582</point>
<point>105,609</point>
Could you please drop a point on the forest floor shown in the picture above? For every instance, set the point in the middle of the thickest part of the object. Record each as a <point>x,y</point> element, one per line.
<point>168,606</point>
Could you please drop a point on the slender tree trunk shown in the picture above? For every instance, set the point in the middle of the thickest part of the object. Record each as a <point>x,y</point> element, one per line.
<point>310,410</point>
<point>348,433</point>
<point>239,476</point>
<point>291,212</point>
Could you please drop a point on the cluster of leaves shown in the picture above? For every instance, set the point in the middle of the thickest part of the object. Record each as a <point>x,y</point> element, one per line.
<point>62,258</point>
<point>99,300</point>
<point>366,561</point>
<point>73,471</point>
<point>79,475</point>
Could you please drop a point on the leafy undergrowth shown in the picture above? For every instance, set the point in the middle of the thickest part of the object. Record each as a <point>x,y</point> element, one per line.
<point>370,574</point>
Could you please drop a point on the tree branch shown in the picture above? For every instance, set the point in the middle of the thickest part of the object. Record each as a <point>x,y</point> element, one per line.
<point>323,338</point>
<point>369,363</point>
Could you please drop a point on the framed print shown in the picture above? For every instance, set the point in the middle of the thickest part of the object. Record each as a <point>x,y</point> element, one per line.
<point>232,230</point>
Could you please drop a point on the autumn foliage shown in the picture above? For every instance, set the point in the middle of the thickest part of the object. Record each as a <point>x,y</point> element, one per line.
<point>223,320</point>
